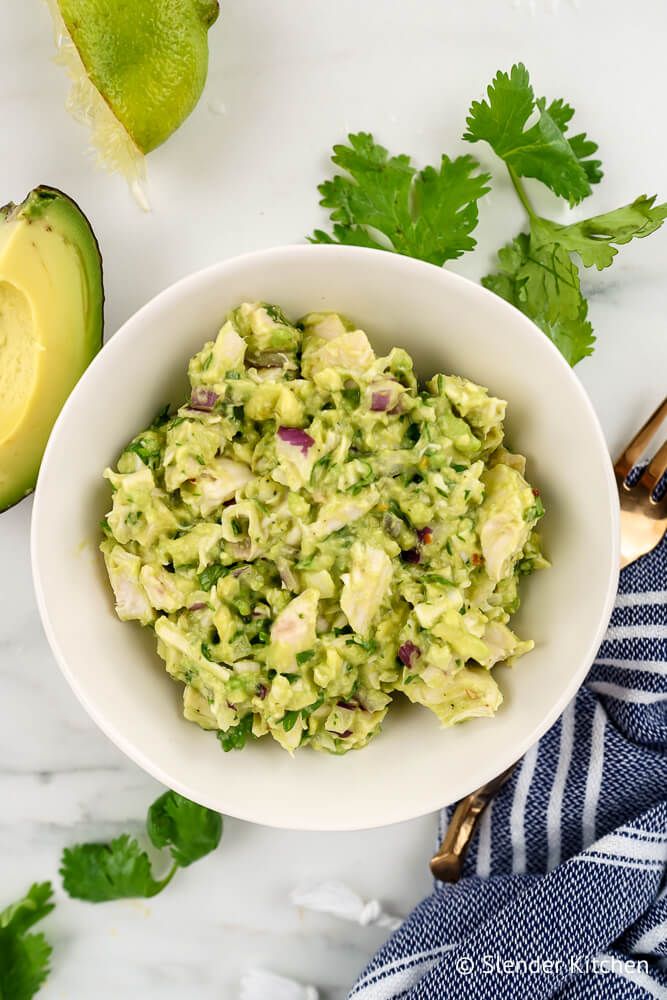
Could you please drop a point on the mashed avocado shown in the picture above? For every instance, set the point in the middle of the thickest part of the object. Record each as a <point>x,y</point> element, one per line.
<point>313,531</point>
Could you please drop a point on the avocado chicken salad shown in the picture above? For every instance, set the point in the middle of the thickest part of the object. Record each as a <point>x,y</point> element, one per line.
<point>313,532</point>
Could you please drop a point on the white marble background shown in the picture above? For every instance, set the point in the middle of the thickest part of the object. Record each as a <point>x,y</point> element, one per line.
<point>287,80</point>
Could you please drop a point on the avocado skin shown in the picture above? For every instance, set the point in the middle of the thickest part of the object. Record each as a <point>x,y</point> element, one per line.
<point>60,214</point>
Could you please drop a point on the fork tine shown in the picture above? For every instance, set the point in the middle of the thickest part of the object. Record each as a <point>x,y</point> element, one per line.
<point>640,442</point>
<point>656,470</point>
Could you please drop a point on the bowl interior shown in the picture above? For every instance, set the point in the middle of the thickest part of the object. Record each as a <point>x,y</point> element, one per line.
<point>447,324</point>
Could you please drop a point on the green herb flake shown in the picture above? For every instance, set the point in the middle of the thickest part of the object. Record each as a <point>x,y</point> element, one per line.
<point>206,652</point>
<point>369,645</point>
<point>148,451</point>
<point>352,397</point>
<point>289,720</point>
<point>162,416</point>
<point>437,578</point>
<point>236,737</point>
<point>535,511</point>
<point>210,576</point>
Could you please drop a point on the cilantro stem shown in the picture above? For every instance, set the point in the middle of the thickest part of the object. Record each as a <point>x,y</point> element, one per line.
<point>163,883</point>
<point>521,192</point>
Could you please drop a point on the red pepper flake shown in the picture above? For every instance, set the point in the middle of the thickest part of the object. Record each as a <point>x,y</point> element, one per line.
<point>476,559</point>
<point>536,493</point>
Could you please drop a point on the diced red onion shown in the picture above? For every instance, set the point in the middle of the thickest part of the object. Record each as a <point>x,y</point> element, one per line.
<point>412,556</point>
<point>197,606</point>
<point>295,436</point>
<point>261,691</point>
<point>425,534</point>
<point>240,570</point>
<point>344,736</point>
<point>203,399</point>
<point>408,653</point>
<point>351,705</point>
<point>380,401</point>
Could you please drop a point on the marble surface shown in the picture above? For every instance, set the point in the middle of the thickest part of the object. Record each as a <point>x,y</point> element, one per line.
<point>287,80</point>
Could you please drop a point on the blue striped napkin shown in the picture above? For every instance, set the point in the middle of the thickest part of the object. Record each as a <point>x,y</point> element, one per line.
<point>564,891</point>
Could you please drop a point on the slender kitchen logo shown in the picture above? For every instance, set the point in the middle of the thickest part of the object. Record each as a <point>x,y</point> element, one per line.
<point>540,965</point>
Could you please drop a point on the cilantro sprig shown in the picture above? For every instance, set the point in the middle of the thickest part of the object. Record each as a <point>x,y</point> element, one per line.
<point>121,869</point>
<point>386,203</point>
<point>539,270</point>
<point>24,957</point>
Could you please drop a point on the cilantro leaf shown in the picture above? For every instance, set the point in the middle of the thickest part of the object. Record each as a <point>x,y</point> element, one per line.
<point>387,204</point>
<point>162,416</point>
<point>101,872</point>
<point>582,147</point>
<point>24,958</point>
<point>290,718</point>
<point>541,150</point>
<point>35,905</point>
<point>190,831</point>
<point>304,656</point>
<point>535,511</point>
<point>210,576</point>
<point>148,450</point>
<point>543,282</point>
<point>593,239</point>
<point>236,737</point>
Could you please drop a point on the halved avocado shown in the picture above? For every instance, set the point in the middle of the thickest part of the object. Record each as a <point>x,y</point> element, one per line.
<point>51,320</point>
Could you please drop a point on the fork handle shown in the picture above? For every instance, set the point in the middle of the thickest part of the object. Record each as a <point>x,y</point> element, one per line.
<point>447,864</point>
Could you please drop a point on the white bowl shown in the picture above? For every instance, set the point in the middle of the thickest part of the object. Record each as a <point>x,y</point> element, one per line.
<point>447,324</point>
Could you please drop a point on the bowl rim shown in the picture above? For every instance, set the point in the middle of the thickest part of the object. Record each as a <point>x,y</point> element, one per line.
<point>432,802</point>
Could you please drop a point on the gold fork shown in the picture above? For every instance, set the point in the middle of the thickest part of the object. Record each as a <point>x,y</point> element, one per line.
<point>643,519</point>
<point>643,524</point>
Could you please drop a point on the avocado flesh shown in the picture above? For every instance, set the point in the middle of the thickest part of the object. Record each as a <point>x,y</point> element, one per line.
<point>51,319</point>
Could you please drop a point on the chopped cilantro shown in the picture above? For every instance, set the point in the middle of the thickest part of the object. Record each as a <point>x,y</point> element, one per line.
<point>304,656</point>
<point>289,720</point>
<point>210,576</point>
<point>236,737</point>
